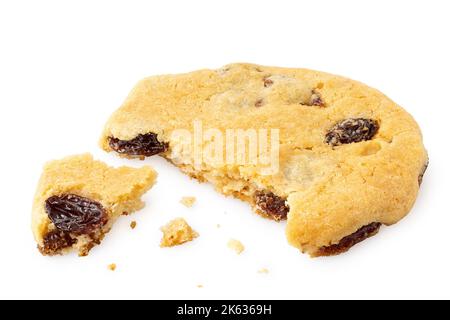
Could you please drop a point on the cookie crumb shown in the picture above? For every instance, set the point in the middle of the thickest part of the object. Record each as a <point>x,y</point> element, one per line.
<point>177,232</point>
<point>133,224</point>
<point>218,226</point>
<point>112,267</point>
<point>263,271</point>
<point>236,246</point>
<point>188,201</point>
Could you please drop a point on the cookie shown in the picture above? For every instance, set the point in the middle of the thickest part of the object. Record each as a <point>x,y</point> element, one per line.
<point>78,200</point>
<point>348,159</point>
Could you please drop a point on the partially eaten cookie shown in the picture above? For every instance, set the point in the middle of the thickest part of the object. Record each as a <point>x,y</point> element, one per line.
<point>346,159</point>
<point>78,200</point>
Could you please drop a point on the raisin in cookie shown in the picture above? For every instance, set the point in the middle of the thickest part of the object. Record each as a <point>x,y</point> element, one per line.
<point>349,159</point>
<point>78,200</point>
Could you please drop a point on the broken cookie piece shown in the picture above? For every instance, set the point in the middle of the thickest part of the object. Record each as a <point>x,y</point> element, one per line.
<point>177,232</point>
<point>328,154</point>
<point>78,200</point>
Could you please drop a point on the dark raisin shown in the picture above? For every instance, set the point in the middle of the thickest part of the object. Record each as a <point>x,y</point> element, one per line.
<point>267,82</point>
<point>143,145</point>
<point>55,241</point>
<point>346,243</point>
<point>271,205</point>
<point>259,103</point>
<point>71,213</point>
<point>352,130</point>
<point>316,99</point>
<point>425,167</point>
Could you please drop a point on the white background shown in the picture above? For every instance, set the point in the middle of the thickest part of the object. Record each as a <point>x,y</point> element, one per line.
<point>66,65</point>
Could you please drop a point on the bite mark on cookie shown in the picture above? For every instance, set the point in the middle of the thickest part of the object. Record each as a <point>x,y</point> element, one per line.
<point>347,242</point>
<point>145,145</point>
<point>352,130</point>
<point>271,205</point>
